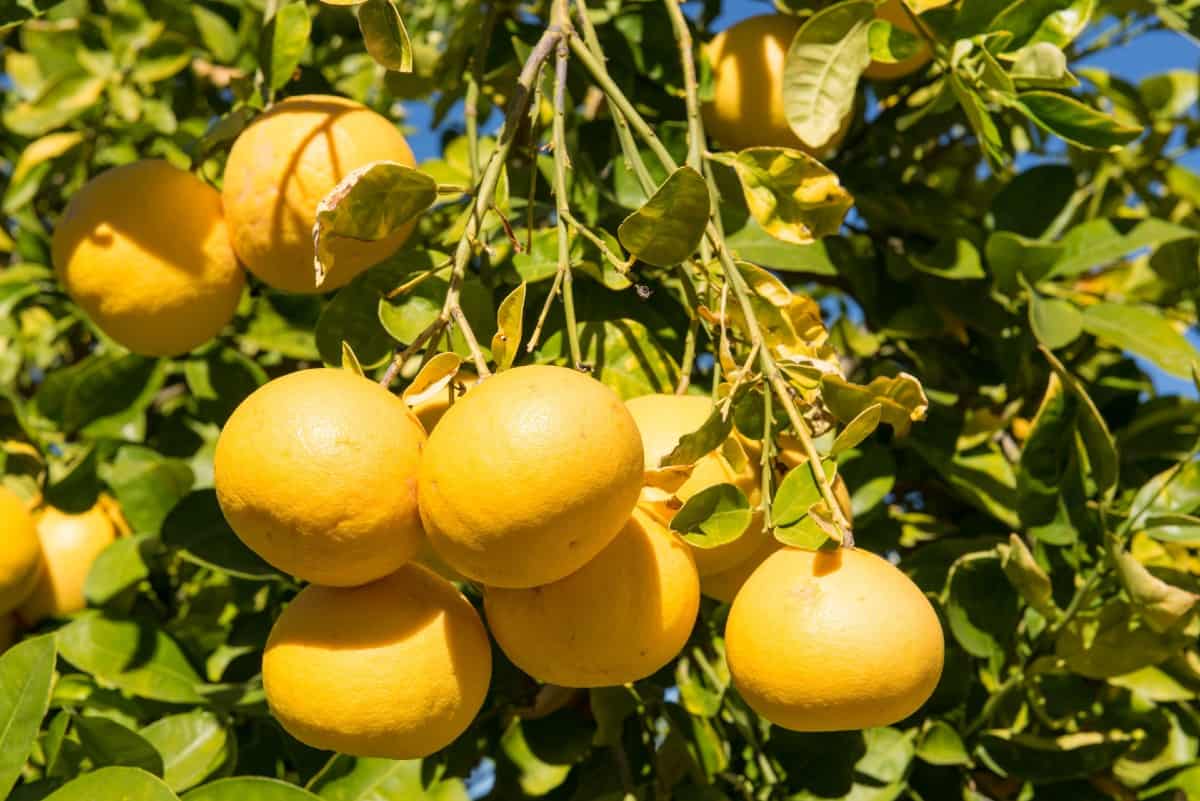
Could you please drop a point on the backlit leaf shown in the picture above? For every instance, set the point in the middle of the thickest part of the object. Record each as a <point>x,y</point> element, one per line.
<point>789,193</point>
<point>384,35</point>
<point>826,58</point>
<point>369,204</point>
<point>668,227</point>
<point>507,341</point>
<point>714,516</point>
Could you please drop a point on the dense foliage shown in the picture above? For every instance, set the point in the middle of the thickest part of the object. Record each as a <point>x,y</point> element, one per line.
<point>1020,260</point>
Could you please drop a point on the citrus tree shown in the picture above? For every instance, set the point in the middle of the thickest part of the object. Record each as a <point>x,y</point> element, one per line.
<point>574,462</point>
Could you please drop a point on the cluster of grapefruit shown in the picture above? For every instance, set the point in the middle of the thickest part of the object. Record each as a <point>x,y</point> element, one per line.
<point>154,255</point>
<point>45,556</point>
<point>530,487</point>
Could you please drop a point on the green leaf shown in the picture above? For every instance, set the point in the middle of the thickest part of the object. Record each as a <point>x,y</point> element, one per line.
<point>981,607</point>
<point>789,193</point>
<point>134,656</point>
<point>891,44</point>
<point>194,746</point>
<point>370,203</point>
<point>101,394</point>
<point>63,101</point>
<point>114,784</point>
<point>668,227</point>
<point>1075,122</point>
<point>940,744</point>
<point>353,314</point>
<point>1097,243</point>
<point>249,788</point>
<point>536,777</point>
<point>1141,330</point>
<point>980,119</point>
<point>624,353</point>
<point>217,34</point>
<point>1012,256</point>
<point>820,73</point>
<point>26,673</point>
<point>901,399</point>
<point>1099,443</point>
<point>798,492</point>
<point>1055,322</point>
<point>119,567</point>
<point>147,485</point>
<point>1042,65</point>
<point>751,243</point>
<point>42,150</point>
<point>404,317</point>
<point>858,429</point>
<point>1184,529</point>
<point>714,516</point>
<point>220,380</point>
<point>350,362</point>
<point>284,41</point>
<point>1046,455</point>
<point>384,35</point>
<point>1052,184</point>
<point>1027,576</point>
<point>953,258</point>
<point>694,445</point>
<point>1042,759</point>
<point>367,779</point>
<point>1113,642</point>
<point>1163,606</point>
<point>197,528</point>
<point>1022,18</point>
<point>507,341</point>
<point>109,743</point>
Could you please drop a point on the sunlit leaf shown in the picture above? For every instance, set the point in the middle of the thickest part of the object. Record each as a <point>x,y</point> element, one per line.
<point>369,204</point>
<point>26,673</point>
<point>1143,331</point>
<point>283,43</point>
<point>1075,122</point>
<point>826,58</point>
<point>507,341</point>
<point>384,35</point>
<point>901,400</point>
<point>1055,322</point>
<point>714,516</point>
<point>789,193</point>
<point>668,227</point>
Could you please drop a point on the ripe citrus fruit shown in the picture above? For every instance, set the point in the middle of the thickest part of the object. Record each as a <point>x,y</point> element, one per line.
<point>662,420</point>
<point>70,545</point>
<point>145,251</point>
<point>529,476</point>
<point>747,108</point>
<point>316,472</point>
<point>20,551</point>
<point>892,11</point>
<point>283,165</point>
<point>396,668</point>
<point>832,640</point>
<point>617,619</point>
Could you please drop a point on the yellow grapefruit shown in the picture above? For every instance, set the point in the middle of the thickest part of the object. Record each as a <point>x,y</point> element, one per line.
<point>617,619</point>
<point>832,640</point>
<point>145,251</point>
<point>316,472</point>
<point>70,545</point>
<point>20,551</point>
<point>283,165</point>
<point>396,668</point>
<point>529,475</point>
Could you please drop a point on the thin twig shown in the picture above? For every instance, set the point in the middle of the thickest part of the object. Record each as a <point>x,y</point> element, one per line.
<point>561,165</point>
